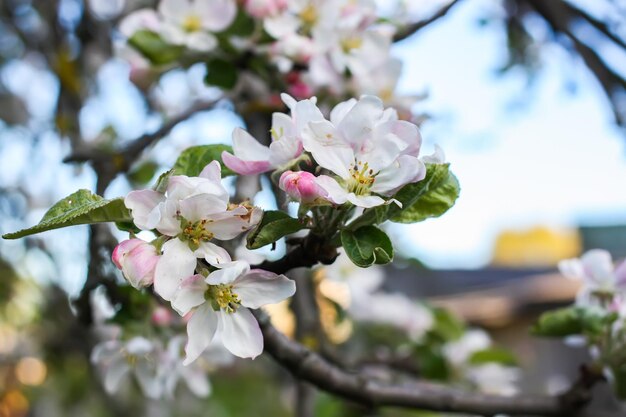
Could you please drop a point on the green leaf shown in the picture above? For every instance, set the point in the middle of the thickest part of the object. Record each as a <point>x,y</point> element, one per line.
<point>431,363</point>
<point>447,326</point>
<point>143,173</point>
<point>154,48</point>
<point>273,226</point>
<point>570,321</point>
<point>493,355</point>
<point>433,198</point>
<point>82,207</point>
<point>367,245</point>
<point>619,381</point>
<point>221,73</point>
<point>193,160</point>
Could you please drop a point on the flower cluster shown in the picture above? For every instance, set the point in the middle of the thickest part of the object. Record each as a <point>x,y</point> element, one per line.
<point>340,47</point>
<point>366,153</point>
<point>188,269</point>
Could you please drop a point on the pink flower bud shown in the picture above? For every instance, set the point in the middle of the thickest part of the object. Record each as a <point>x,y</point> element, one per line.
<point>264,8</point>
<point>301,186</point>
<point>161,316</point>
<point>137,260</point>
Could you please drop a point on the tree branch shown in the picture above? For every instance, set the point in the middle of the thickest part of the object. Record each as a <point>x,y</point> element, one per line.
<point>411,29</point>
<point>313,368</point>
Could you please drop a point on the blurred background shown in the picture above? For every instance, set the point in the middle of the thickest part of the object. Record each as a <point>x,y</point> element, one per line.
<point>527,98</point>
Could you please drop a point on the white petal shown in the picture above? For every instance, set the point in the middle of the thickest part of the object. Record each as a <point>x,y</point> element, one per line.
<point>213,254</point>
<point>572,268</point>
<point>189,294</point>
<point>200,331</point>
<point>197,381</point>
<point>201,206</point>
<point>289,101</point>
<point>598,266</point>
<point>328,148</point>
<point>258,288</point>
<point>228,273</point>
<point>282,125</point>
<point>114,374</point>
<point>165,217</point>
<point>177,263</point>
<point>336,193</point>
<point>141,204</point>
<point>284,150</point>
<point>230,227</point>
<point>201,41</point>
<point>212,172</point>
<point>359,121</point>
<point>143,19</point>
<point>340,110</point>
<point>406,169</point>
<point>240,333</point>
<point>146,377</point>
<point>248,148</point>
<point>305,111</point>
<point>216,15</point>
<point>365,201</point>
<point>174,10</point>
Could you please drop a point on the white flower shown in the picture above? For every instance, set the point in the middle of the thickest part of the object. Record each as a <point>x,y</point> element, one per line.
<point>596,271</point>
<point>172,370</point>
<point>250,157</point>
<point>494,378</point>
<point>368,148</point>
<point>193,211</point>
<point>220,305</point>
<point>460,351</point>
<point>137,356</point>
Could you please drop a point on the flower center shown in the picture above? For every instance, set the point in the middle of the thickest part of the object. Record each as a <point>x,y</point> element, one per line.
<point>309,15</point>
<point>192,23</point>
<point>351,43</point>
<point>195,232</point>
<point>222,297</point>
<point>362,178</point>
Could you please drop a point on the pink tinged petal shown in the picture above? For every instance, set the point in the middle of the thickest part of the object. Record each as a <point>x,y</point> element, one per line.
<point>137,260</point>
<point>598,266</point>
<point>437,157</point>
<point>242,167</point>
<point>240,333</point>
<point>405,170</point>
<point>201,206</point>
<point>258,288</point>
<point>572,268</point>
<point>177,263</point>
<point>212,172</point>
<point>230,227</point>
<point>146,377</point>
<point>200,331</point>
<point>405,131</point>
<point>216,15</point>
<point>228,273</point>
<point>335,192</point>
<point>213,254</point>
<point>365,201</point>
<point>143,19</point>
<point>620,275</point>
<point>247,147</point>
<point>189,294</point>
<point>181,186</point>
<point>359,121</point>
<point>284,150</point>
<point>115,373</point>
<point>142,203</point>
<point>169,223</point>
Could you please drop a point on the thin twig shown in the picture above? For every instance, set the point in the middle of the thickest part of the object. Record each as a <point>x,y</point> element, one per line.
<point>411,29</point>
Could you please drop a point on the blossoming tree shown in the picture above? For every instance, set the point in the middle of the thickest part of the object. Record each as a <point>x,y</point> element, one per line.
<point>339,149</point>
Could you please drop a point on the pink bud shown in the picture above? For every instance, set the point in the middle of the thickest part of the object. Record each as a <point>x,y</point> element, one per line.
<point>301,185</point>
<point>161,316</point>
<point>137,260</point>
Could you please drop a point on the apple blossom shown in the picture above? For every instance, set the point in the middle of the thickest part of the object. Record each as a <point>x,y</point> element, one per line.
<point>116,359</point>
<point>264,8</point>
<point>458,352</point>
<point>250,157</point>
<point>219,304</point>
<point>494,378</point>
<point>601,280</point>
<point>301,186</point>
<point>137,260</point>
<point>371,152</point>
